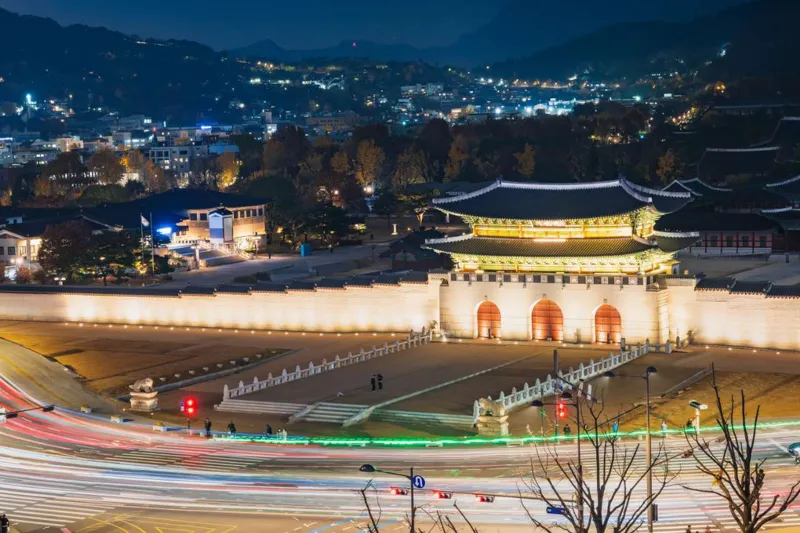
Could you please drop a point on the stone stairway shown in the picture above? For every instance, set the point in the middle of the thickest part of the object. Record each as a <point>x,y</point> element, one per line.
<point>419,417</point>
<point>259,407</point>
<point>332,413</point>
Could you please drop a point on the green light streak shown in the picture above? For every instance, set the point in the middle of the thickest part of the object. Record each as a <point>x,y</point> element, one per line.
<point>472,441</point>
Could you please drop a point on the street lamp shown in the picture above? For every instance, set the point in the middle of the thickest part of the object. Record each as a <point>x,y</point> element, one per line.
<point>370,469</point>
<point>574,400</point>
<point>649,446</point>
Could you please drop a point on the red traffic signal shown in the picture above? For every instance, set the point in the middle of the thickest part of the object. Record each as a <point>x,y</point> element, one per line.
<point>561,410</point>
<point>190,406</point>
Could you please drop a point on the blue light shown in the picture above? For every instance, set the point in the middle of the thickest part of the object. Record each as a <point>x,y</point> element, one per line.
<point>166,231</point>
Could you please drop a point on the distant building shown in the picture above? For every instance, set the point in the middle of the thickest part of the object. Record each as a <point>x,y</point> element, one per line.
<point>177,158</point>
<point>67,144</point>
<point>132,139</point>
<point>339,122</point>
<point>132,122</point>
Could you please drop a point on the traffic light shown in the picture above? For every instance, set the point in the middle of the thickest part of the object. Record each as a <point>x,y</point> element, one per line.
<point>190,407</point>
<point>561,410</point>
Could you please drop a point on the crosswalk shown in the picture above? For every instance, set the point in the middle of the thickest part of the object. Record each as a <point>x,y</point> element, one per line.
<point>42,509</point>
<point>200,459</point>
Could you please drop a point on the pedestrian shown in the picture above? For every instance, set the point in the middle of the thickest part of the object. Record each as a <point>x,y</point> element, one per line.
<point>688,529</point>
<point>269,254</point>
<point>373,381</point>
<point>567,431</point>
<point>232,429</point>
<point>615,427</point>
<point>664,428</point>
<point>268,431</point>
<point>330,247</point>
<point>689,424</point>
<point>708,529</point>
<point>380,381</point>
<point>4,523</point>
<point>207,425</point>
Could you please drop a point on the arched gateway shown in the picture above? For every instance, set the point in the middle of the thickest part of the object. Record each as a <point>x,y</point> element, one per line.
<point>547,321</point>
<point>607,324</point>
<point>489,321</point>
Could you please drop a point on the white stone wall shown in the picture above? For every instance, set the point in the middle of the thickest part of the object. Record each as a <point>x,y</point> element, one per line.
<point>380,308</point>
<point>637,306</point>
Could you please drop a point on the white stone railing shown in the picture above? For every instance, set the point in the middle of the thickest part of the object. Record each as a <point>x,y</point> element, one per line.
<point>413,340</point>
<point>551,386</point>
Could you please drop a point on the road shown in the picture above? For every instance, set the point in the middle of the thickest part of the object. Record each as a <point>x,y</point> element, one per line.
<point>68,470</point>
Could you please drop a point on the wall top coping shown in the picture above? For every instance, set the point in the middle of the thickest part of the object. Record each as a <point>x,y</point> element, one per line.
<point>560,279</point>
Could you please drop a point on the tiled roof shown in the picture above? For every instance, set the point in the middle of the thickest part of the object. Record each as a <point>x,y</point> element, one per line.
<point>331,283</point>
<point>698,187</point>
<point>789,188</point>
<point>720,162</point>
<point>675,242</point>
<point>750,287</point>
<point>713,221</point>
<point>714,284</point>
<point>104,291</point>
<point>546,201</point>
<point>194,290</point>
<point>414,277</point>
<point>486,246</point>
<point>787,132</point>
<point>784,291</point>
<point>788,218</point>
<point>233,289</point>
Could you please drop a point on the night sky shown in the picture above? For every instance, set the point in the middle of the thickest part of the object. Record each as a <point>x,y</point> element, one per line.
<point>302,24</point>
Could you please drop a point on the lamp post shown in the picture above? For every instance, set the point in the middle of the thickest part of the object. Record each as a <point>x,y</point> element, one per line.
<point>648,446</point>
<point>574,400</point>
<point>368,468</point>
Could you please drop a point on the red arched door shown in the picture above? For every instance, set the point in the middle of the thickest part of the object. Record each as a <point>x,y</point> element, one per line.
<point>547,321</point>
<point>607,325</point>
<point>489,321</point>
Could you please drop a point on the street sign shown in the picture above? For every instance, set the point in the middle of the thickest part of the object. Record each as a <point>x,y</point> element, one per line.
<point>418,482</point>
<point>183,406</point>
<point>556,510</point>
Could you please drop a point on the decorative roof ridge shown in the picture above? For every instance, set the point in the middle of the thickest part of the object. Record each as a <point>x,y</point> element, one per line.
<point>790,118</point>
<point>784,182</point>
<point>647,190</point>
<point>636,238</point>
<point>779,210</point>
<point>677,234</point>
<point>704,184</point>
<point>457,238</point>
<point>500,183</point>
<point>468,195</point>
<point>681,183</point>
<point>759,149</point>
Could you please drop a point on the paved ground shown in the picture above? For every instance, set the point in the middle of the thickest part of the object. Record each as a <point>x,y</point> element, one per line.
<point>745,268</point>
<point>302,266</point>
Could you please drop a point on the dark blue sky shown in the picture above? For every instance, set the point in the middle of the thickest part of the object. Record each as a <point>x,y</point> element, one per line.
<point>318,23</point>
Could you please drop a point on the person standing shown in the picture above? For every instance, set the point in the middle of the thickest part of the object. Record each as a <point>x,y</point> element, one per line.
<point>373,380</point>
<point>232,429</point>
<point>615,427</point>
<point>567,431</point>
<point>380,381</point>
<point>664,428</point>
<point>689,529</point>
<point>268,431</point>
<point>4,524</point>
<point>207,425</point>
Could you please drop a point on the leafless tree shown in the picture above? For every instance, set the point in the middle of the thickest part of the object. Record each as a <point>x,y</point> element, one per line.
<point>737,477</point>
<point>611,475</point>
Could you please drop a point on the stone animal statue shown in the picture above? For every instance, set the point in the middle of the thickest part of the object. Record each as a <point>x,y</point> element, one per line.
<point>142,385</point>
<point>491,408</point>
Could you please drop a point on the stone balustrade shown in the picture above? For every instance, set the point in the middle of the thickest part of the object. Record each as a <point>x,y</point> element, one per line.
<point>551,386</point>
<point>413,340</point>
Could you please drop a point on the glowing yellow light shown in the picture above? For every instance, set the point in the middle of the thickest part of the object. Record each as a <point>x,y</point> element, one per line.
<point>252,331</point>
<point>547,239</point>
<point>81,324</point>
<point>172,328</point>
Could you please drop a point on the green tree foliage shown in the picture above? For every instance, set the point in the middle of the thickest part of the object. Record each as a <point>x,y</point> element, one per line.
<point>104,194</point>
<point>250,152</point>
<point>387,206</point>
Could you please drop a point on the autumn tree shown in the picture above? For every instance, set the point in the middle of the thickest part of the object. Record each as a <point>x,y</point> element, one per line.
<point>670,167</point>
<point>112,252</point>
<point>227,167</point>
<point>368,163</point>
<point>411,169</point>
<point>64,248</point>
<point>457,158</point>
<point>5,197</point>
<point>106,165</point>
<point>63,178</point>
<point>736,469</point>
<point>526,161</point>
<point>152,177</point>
